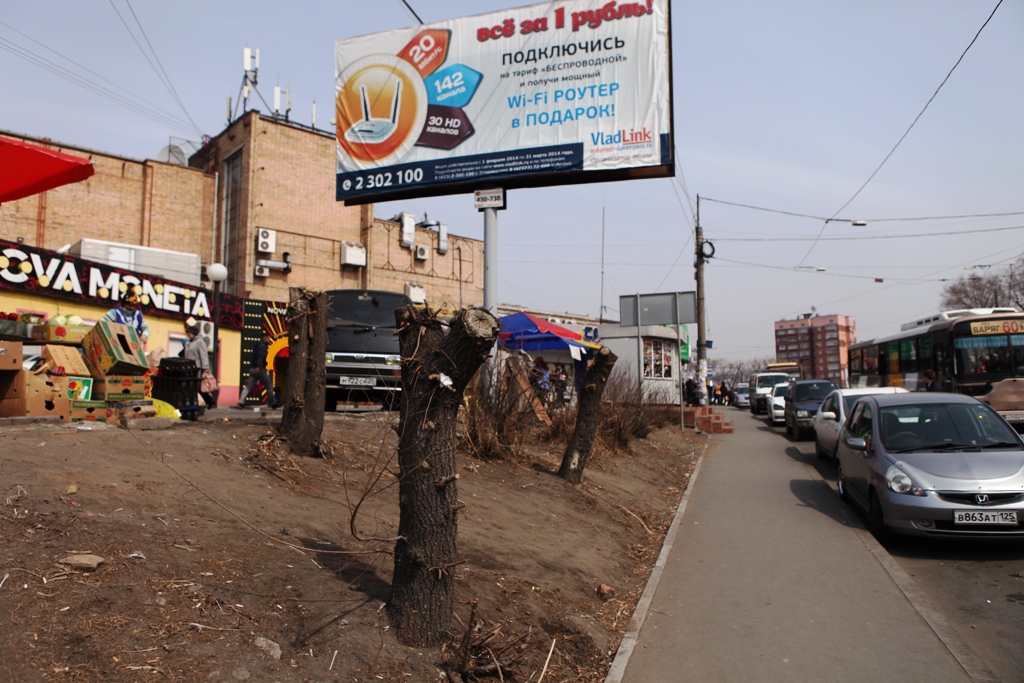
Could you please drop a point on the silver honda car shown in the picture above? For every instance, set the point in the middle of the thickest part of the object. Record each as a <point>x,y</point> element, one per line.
<point>929,464</point>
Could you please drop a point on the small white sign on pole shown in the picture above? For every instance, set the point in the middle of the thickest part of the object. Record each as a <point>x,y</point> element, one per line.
<point>489,199</point>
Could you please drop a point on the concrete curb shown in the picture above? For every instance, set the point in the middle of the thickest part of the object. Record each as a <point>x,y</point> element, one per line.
<point>629,639</point>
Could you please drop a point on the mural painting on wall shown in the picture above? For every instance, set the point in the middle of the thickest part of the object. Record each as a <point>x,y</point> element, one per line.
<point>45,273</point>
<point>260,317</point>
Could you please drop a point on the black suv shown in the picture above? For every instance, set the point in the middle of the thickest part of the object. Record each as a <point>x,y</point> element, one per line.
<point>802,401</point>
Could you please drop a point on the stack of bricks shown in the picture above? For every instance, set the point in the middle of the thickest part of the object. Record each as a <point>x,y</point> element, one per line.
<point>705,419</point>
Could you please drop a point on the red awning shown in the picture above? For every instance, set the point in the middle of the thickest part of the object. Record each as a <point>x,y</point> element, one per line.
<point>27,169</point>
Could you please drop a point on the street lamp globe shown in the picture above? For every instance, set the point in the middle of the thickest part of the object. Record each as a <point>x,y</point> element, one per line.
<point>217,272</point>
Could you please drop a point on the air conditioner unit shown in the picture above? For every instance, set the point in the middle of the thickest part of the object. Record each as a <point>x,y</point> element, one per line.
<point>206,331</point>
<point>422,252</point>
<point>416,292</point>
<point>266,241</point>
<point>262,271</point>
<point>353,254</point>
<point>408,222</point>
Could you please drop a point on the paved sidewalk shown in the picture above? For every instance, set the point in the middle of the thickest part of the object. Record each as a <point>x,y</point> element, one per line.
<point>768,580</point>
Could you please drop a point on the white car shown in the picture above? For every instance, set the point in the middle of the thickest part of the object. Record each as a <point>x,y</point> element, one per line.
<point>829,419</point>
<point>777,404</point>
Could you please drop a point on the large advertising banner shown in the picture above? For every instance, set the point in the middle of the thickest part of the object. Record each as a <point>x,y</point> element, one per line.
<point>562,92</point>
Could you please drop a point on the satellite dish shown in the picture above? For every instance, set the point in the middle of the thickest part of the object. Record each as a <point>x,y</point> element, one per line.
<point>172,154</point>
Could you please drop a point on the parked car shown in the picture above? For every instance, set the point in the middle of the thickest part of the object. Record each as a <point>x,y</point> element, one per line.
<point>761,386</point>
<point>932,465</point>
<point>741,396</point>
<point>777,404</point>
<point>802,401</point>
<point>829,419</point>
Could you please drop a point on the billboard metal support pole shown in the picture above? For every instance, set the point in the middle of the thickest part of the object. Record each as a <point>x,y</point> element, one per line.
<point>490,280</point>
<point>702,349</point>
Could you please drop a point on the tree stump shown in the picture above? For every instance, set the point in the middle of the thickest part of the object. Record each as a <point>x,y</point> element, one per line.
<point>302,423</point>
<point>588,414</point>
<point>436,367</point>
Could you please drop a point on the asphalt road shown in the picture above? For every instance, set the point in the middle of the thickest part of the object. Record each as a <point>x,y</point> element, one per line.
<point>977,586</point>
<point>770,577</point>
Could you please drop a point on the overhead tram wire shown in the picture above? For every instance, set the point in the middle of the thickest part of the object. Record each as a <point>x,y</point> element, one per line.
<point>860,238</point>
<point>161,77</point>
<point>902,137</point>
<point>867,220</point>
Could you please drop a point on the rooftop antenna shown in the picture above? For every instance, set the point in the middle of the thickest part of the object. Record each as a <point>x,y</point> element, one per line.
<point>313,124</point>
<point>369,130</point>
<point>250,77</point>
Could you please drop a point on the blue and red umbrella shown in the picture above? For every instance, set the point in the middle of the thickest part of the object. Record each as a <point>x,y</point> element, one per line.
<point>530,333</point>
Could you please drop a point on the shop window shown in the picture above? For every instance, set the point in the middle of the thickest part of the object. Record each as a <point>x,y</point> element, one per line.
<point>658,358</point>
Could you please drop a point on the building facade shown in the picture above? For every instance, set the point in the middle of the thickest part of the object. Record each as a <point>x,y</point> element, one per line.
<point>819,343</point>
<point>276,178</point>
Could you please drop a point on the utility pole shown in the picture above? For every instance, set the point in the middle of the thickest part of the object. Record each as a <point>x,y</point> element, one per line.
<point>702,344</point>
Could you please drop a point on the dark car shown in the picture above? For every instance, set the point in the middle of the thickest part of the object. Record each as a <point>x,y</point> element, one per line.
<point>802,402</point>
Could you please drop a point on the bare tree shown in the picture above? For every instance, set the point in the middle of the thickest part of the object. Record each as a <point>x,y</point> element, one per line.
<point>436,367</point>
<point>988,290</point>
<point>302,423</point>
<point>587,416</point>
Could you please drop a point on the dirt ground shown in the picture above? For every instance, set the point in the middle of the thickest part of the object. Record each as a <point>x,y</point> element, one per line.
<point>226,560</point>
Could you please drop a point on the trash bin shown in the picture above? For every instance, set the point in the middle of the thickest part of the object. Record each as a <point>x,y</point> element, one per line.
<point>177,383</point>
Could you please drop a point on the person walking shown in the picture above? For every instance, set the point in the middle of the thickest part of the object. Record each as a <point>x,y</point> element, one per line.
<point>195,350</point>
<point>127,313</point>
<point>258,373</point>
<point>929,381</point>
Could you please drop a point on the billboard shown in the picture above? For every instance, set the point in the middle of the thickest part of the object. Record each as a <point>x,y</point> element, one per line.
<point>563,92</point>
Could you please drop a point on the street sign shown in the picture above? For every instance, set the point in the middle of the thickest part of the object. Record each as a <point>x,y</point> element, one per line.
<point>489,199</point>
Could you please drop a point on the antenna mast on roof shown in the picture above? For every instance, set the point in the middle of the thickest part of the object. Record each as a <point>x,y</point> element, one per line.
<point>250,77</point>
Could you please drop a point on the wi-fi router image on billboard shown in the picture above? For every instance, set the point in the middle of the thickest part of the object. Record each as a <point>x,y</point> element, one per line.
<point>370,130</point>
<point>381,110</point>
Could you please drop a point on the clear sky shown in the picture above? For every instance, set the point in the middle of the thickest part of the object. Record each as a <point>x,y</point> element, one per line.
<point>789,105</point>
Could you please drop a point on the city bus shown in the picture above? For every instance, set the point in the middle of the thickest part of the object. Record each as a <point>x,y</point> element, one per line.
<point>978,352</point>
<point>791,368</point>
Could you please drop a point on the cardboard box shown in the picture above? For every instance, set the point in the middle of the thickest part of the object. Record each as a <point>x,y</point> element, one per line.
<point>66,357</point>
<point>11,356</point>
<point>64,333</point>
<point>12,384</point>
<point>113,349</point>
<point>41,395</point>
<point>119,411</point>
<point>118,388</point>
<point>80,388</point>
<point>88,411</point>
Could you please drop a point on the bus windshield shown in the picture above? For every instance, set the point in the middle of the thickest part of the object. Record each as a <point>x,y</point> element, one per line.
<point>996,354</point>
<point>764,381</point>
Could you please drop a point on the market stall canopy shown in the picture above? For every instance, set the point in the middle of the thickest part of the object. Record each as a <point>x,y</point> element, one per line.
<point>530,333</point>
<point>27,169</point>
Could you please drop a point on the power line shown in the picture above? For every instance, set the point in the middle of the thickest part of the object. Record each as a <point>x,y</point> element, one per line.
<point>857,238</point>
<point>106,93</point>
<point>905,133</point>
<point>412,10</point>
<point>167,78</point>
<point>866,220</point>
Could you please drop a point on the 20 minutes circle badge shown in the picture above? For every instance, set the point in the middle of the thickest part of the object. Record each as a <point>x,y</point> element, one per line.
<point>381,107</point>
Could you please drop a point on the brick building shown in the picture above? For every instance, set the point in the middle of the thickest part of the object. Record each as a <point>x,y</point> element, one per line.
<point>275,175</point>
<point>260,173</point>
<point>819,343</point>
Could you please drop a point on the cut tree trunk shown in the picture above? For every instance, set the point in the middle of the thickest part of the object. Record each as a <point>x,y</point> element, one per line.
<point>588,414</point>
<point>302,423</point>
<point>436,367</point>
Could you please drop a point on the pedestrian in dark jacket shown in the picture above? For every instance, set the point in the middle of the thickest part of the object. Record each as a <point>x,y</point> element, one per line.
<point>258,373</point>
